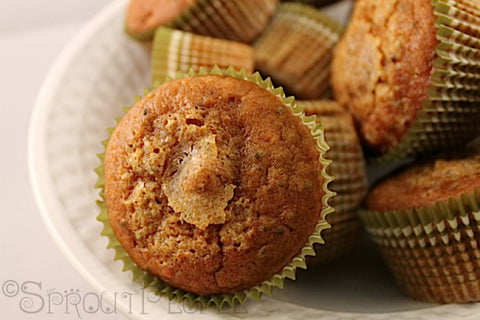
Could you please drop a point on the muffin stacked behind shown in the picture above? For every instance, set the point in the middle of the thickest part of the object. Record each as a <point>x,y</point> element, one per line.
<point>176,50</point>
<point>239,20</point>
<point>350,184</point>
<point>425,220</point>
<point>143,16</point>
<point>408,71</point>
<point>296,49</point>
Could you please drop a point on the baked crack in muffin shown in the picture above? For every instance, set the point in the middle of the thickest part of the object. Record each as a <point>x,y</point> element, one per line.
<point>214,185</point>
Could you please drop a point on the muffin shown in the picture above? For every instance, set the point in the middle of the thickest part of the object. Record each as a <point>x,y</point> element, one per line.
<point>296,50</point>
<point>425,221</point>
<point>239,20</point>
<point>405,70</point>
<point>143,16</point>
<point>215,184</point>
<point>176,50</point>
<point>350,184</point>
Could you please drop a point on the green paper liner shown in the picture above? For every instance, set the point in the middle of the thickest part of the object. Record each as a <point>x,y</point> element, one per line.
<point>450,115</point>
<point>288,272</point>
<point>433,252</point>
<point>176,50</point>
<point>296,49</point>
<point>240,20</point>
<point>350,184</point>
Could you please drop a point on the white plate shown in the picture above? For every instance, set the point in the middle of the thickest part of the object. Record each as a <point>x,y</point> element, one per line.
<point>101,71</point>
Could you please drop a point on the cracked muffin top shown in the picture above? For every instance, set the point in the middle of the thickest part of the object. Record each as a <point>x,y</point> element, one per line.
<point>212,184</point>
<point>382,67</point>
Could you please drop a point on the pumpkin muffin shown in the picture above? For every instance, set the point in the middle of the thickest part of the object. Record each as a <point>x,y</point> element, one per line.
<point>382,67</point>
<point>403,69</point>
<point>425,221</point>
<point>143,16</point>
<point>239,20</point>
<point>296,48</point>
<point>176,50</point>
<point>350,184</point>
<point>213,184</point>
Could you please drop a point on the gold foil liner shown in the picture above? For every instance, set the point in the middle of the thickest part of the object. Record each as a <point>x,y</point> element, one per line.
<point>176,50</point>
<point>296,49</point>
<point>288,272</point>
<point>350,184</point>
<point>450,115</point>
<point>433,252</point>
<point>239,20</point>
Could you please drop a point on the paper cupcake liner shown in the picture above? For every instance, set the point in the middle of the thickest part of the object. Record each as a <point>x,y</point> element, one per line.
<point>350,184</point>
<point>452,269</point>
<point>450,114</point>
<point>288,272</point>
<point>296,49</point>
<point>240,20</point>
<point>337,244</point>
<point>442,282</point>
<point>175,50</point>
<point>434,250</point>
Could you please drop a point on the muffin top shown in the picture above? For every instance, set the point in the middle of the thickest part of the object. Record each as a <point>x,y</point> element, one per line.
<point>212,184</point>
<point>428,182</point>
<point>143,16</point>
<point>382,67</point>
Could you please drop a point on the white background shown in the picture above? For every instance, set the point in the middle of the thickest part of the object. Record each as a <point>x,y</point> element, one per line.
<point>32,35</point>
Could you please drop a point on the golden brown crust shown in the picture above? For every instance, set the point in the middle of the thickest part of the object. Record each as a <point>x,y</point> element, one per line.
<point>207,136</point>
<point>145,15</point>
<point>382,67</point>
<point>428,182</point>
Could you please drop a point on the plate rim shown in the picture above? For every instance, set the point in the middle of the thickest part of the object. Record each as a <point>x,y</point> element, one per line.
<point>36,145</point>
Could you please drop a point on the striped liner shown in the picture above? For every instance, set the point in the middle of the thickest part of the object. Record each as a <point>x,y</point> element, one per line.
<point>350,184</point>
<point>176,50</point>
<point>296,49</point>
<point>239,20</point>
<point>433,252</point>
